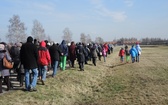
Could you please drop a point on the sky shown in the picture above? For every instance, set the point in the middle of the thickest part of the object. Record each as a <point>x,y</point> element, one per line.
<point>108,19</point>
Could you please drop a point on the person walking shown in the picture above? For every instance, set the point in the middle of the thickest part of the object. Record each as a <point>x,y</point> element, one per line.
<point>15,54</point>
<point>139,50</point>
<point>121,54</point>
<point>104,53</point>
<point>127,54</point>
<point>29,59</point>
<point>133,53</point>
<point>72,53</point>
<point>94,54</point>
<point>64,49</point>
<point>80,56</point>
<point>4,72</point>
<point>44,60</point>
<point>100,53</point>
<point>55,53</point>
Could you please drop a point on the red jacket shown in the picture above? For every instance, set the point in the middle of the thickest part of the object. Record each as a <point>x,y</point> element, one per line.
<point>44,55</point>
<point>122,52</point>
<point>106,47</point>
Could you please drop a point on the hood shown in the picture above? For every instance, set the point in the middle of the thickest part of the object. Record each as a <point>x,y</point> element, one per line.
<point>63,42</point>
<point>43,44</point>
<point>30,39</point>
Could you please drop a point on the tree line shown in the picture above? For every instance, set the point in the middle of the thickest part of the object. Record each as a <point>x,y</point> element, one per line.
<point>143,41</point>
<point>17,33</point>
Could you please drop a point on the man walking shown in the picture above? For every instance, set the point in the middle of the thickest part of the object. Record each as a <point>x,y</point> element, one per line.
<point>29,58</point>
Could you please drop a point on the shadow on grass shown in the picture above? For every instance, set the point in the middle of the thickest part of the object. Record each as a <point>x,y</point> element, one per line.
<point>116,65</point>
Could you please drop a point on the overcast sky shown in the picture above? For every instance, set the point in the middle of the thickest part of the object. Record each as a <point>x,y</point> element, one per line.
<point>109,19</point>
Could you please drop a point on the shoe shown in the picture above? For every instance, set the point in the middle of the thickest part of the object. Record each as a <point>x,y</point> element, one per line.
<point>42,82</point>
<point>32,89</point>
<point>7,89</point>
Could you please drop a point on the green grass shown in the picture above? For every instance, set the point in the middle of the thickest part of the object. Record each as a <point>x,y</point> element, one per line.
<point>108,83</point>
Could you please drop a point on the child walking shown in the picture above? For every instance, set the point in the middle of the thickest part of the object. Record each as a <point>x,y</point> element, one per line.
<point>121,54</point>
<point>104,53</point>
<point>127,54</point>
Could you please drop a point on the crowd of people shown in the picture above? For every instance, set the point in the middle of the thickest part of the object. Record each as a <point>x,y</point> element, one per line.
<point>33,59</point>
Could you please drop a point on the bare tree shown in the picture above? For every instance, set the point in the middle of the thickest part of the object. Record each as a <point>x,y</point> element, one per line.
<point>38,31</point>
<point>88,39</point>
<point>83,38</point>
<point>16,30</point>
<point>99,40</point>
<point>67,35</point>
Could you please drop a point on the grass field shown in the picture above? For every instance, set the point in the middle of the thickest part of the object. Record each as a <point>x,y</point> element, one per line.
<point>108,83</point>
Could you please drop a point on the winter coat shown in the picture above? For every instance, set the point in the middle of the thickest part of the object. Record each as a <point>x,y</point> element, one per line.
<point>133,52</point>
<point>94,51</point>
<point>72,52</point>
<point>121,52</point>
<point>100,50</point>
<point>29,55</point>
<point>104,53</point>
<point>44,55</point>
<point>106,47</point>
<point>15,54</point>
<point>55,53</point>
<point>4,71</point>
<point>138,48</point>
<point>64,48</point>
<point>80,53</point>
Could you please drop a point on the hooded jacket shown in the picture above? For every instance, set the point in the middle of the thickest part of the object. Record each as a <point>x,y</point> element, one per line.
<point>44,55</point>
<point>64,48</point>
<point>133,52</point>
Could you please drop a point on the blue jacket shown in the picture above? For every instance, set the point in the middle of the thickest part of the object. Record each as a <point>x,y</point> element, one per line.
<point>133,52</point>
<point>64,48</point>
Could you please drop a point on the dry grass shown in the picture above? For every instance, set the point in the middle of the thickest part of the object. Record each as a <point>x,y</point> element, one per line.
<point>109,83</point>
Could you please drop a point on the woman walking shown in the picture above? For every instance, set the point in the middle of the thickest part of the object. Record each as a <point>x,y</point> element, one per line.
<point>4,72</point>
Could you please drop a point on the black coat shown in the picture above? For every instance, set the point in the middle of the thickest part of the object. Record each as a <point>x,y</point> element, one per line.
<point>55,53</point>
<point>29,55</point>
<point>80,53</point>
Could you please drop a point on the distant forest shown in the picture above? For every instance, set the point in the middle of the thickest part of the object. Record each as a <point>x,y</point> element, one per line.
<point>143,41</point>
